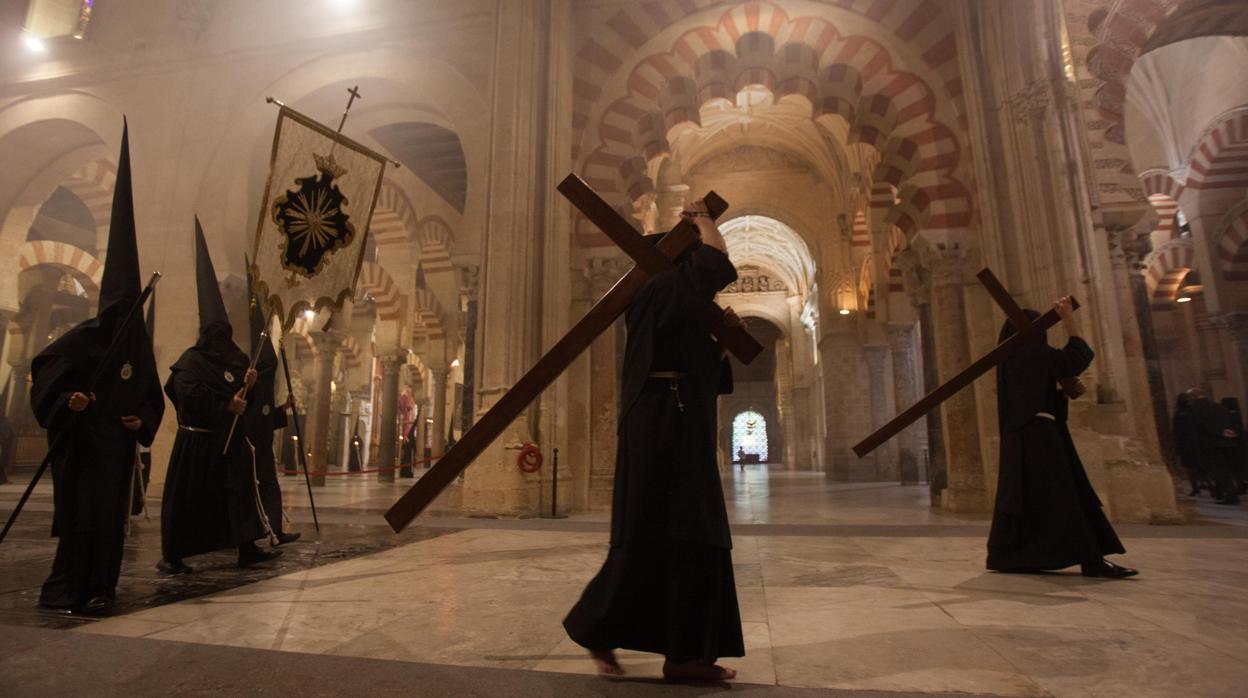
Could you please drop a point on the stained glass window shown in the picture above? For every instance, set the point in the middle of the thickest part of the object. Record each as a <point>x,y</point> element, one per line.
<point>749,437</point>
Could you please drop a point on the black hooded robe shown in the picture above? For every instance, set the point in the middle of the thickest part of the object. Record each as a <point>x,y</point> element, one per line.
<point>209,499</point>
<point>667,585</point>
<point>1047,515</point>
<point>266,418</point>
<point>92,475</point>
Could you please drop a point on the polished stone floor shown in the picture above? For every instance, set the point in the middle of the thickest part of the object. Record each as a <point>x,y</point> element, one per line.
<point>841,586</point>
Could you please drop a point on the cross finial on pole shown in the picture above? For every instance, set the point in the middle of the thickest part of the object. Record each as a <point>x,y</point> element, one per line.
<point>354,92</point>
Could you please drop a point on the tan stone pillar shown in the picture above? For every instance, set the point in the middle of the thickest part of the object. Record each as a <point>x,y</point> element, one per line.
<point>603,389</point>
<point>966,491</point>
<point>389,420</point>
<point>881,405</point>
<point>320,420</point>
<point>437,440</point>
<point>905,393</point>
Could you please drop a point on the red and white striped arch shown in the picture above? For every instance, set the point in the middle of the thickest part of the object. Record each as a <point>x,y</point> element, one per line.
<point>1122,26</point>
<point>1167,266</point>
<point>1220,159</point>
<point>82,264</point>
<point>428,313</point>
<point>1232,240</point>
<point>375,281</point>
<point>394,220</point>
<point>1163,193</point>
<point>844,77</point>
<point>433,235</point>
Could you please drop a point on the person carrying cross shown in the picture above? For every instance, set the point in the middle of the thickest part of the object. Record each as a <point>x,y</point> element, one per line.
<point>1047,515</point>
<point>667,585</point>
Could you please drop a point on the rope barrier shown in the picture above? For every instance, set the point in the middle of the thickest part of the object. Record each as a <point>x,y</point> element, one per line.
<point>319,473</point>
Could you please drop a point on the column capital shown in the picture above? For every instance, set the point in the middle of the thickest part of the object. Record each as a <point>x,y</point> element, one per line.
<point>948,265</point>
<point>392,362</point>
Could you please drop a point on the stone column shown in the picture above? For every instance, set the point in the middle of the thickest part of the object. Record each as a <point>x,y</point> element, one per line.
<point>1141,341</point>
<point>320,417</point>
<point>966,491</point>
<point>422,431</point>
<point>603,389</point>
<point>787,435</point>
<point>470,346</point>
<point>905,393</point>
<point>389,420</point>
<point>881,406</point>
<point>526,226</point>
<point>437,440</point>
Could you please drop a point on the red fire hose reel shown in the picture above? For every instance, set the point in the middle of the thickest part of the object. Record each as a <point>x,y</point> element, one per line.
<point>530,458</point>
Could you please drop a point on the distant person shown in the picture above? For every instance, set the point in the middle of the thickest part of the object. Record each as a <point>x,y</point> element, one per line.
<point>1213,427</point>
<point>1187,443</point>
<point>1047,516</point>
<point>1239,465</point>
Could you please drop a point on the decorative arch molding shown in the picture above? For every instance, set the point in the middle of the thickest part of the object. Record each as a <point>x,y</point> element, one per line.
<point>375,281</point>
<point>1232,243</point>
<point>434,236</point>
<point>1163,192</point>
<point>88,269</point>
<point>1167,265</point>
<point>1220,158</point>
<point>428,313</point>
<point>771,244</point>
<point>841,78</point>
<point>394,219</point>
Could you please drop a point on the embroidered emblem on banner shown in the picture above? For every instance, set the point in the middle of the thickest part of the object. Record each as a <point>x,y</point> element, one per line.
<point>126,371</point>
<point>312,220</point>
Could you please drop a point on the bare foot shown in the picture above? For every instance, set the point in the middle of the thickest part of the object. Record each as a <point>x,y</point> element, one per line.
<point>697,671</point>
<point>606,663</point>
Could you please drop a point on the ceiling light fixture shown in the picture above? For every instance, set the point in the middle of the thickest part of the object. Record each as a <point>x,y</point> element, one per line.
<point>34,44</point>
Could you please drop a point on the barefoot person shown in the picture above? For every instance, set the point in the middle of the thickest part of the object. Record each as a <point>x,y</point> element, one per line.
<point>667,584</point>
<point>1047,516</point>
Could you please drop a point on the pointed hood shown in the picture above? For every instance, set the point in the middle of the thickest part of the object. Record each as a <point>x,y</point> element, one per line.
<point>121,281</point>
<point>211,306</point>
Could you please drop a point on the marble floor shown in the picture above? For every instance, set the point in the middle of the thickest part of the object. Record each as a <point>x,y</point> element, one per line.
<point>841,586</point>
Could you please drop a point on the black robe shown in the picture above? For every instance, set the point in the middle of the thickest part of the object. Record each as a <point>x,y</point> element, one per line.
<point>1047,515</point>
<point>93,471</point>
<point>667,585</point>
<point>264,419</point>
<point>210,500</point>
<point>1216,452</point>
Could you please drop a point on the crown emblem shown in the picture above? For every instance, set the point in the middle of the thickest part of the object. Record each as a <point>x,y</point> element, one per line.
<point>328,165</point>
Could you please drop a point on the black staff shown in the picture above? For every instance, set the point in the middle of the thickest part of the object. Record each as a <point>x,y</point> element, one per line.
<point>294,413</point>
<point>62,439</point>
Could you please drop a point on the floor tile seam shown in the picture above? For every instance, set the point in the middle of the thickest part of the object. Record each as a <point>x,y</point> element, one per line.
<point>1034,680</point>
<point>1200,639</point>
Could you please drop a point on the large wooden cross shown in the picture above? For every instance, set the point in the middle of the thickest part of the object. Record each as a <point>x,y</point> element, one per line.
<point>649,260</point>
<point>985,363</point>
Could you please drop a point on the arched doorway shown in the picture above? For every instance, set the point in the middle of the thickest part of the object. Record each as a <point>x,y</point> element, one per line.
<point>749,438</point>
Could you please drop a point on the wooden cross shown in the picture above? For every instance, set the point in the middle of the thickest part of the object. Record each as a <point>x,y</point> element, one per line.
<point>988,361</point>
<point>564,352</point>
<point>355,93</point>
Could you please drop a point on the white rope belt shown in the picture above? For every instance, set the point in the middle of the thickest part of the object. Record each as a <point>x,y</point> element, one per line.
<point>197,430</point>
<point>1047,416</point>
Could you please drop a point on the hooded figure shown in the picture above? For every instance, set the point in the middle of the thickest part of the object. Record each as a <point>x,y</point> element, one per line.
<point>93,470</point>
<point>210,500</point>
<point>667,585</point>
<point>265,417</point>
<point>1047,515</point>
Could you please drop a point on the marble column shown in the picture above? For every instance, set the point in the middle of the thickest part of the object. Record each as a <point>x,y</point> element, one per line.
<point>320,419</point>
<point>905,393</point>
<point>881,406</point>
<point>388,425</point>
<point>437,440</point>
<point>1141,341</point>
<point>967,490</point>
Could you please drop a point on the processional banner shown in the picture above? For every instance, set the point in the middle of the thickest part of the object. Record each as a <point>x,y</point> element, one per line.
<point>314,218</point>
